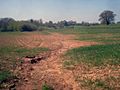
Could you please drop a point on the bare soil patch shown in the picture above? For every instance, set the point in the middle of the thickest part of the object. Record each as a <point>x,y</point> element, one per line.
<point>49,70</point>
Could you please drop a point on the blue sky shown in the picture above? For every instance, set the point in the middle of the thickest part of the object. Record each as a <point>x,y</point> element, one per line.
<point>55,10</point>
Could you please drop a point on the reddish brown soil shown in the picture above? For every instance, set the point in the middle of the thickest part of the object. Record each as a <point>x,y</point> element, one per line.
<point>50,71</point>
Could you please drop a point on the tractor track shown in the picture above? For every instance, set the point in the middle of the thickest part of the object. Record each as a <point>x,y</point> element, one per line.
<point>51,71</point>
<point>31,41</point>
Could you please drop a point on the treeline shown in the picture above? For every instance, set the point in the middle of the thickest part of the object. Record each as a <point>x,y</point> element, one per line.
<point>10,24</point>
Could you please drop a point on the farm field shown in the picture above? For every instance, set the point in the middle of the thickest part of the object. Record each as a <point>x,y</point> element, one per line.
<point>75,58</point>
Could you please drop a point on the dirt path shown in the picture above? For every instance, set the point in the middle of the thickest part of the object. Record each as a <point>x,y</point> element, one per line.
<point>51,71</point>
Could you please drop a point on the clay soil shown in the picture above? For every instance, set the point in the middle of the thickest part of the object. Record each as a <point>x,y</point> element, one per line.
<point>49,70</point>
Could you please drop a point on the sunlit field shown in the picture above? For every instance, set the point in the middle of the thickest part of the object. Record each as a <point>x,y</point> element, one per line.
<point>101,61</point>
<point>93,66</point>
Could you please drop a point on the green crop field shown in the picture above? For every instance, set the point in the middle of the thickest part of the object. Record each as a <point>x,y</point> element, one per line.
<point>105,56</point>
<point>100,33</point>
<point>59,45</point>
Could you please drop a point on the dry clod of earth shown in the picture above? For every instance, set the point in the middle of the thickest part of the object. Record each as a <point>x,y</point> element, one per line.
<point>33,59</point>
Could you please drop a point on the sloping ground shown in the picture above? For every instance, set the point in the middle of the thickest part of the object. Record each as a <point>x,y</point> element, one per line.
<point>50,70</point>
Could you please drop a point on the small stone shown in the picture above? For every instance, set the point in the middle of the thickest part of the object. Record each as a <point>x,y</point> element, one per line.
<point>26,79</point>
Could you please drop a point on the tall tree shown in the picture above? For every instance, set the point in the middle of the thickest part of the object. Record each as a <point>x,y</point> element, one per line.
<point>107,17</point>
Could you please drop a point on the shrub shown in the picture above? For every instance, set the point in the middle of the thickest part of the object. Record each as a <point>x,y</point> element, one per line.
<point>28,27</point>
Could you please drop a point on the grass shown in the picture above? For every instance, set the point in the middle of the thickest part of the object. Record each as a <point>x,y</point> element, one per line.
<point>98,29</point>
<point>98,55</point>
<point>11,33</point>
<point>4,75</point>
<point>99,33</point>
<point>94,55</point>
<point>9,54</point>
<point>6,78</point>
<point>97,85</point>
<point>47,87</point>
<point>108,83</point>
<point>9,61</point>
